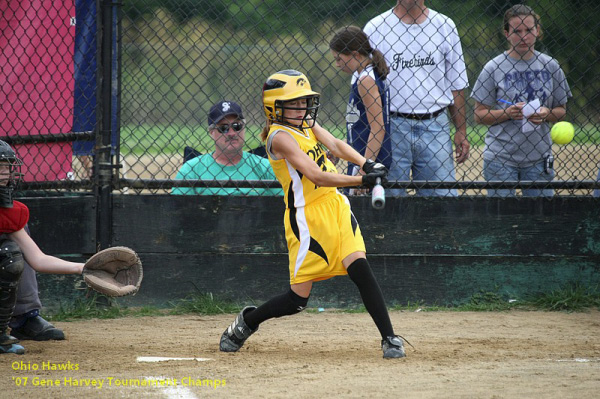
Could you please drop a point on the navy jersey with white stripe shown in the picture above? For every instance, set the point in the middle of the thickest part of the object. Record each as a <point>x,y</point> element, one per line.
<point>357,122</point>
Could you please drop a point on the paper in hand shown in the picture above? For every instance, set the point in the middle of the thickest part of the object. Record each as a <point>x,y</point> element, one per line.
<point>529,109</point>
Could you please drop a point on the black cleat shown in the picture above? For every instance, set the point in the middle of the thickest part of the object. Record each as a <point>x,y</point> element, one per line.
<point>393,347</point>
<point>237,333</point>
<point>38,329</point>
<point>8,344</point>
<point>12,348</point>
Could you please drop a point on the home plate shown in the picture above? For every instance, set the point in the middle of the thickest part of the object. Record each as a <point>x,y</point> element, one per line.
<point>154,359</point>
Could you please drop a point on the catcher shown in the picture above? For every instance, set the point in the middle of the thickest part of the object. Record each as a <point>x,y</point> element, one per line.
<point>114,272</point>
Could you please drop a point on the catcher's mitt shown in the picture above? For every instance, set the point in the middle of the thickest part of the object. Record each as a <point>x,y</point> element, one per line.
<point>115,271</point>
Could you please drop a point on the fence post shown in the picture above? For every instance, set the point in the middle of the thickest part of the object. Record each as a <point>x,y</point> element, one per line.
<point>103,178</point>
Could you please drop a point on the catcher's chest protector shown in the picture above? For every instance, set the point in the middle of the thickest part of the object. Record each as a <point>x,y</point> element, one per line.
<point>13,219</point>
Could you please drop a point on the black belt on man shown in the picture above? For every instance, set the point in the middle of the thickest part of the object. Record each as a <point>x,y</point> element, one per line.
<point>418,117</point>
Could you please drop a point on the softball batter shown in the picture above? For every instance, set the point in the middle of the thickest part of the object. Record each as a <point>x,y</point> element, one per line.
<point>323,237</point>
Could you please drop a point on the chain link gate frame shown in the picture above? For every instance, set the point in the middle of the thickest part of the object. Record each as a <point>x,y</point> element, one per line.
<point>173,59</point>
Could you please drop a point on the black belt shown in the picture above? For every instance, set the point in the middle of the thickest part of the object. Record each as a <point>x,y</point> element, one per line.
<point>418,117</point>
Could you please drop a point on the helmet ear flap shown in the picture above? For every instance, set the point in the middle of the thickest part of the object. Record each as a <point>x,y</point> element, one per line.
<point>278,112</point>
<point>312,106</point>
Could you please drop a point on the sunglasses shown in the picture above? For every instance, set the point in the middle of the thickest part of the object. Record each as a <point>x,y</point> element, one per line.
<point>236,126</point>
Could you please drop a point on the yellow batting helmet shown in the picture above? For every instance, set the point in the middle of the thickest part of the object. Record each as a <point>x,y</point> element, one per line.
<point>285,86</point>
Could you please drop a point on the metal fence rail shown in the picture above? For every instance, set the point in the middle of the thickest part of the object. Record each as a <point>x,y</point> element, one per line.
<point>112,98</point>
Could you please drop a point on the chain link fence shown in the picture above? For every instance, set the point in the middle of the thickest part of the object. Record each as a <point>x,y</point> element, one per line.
<point>170,61</point>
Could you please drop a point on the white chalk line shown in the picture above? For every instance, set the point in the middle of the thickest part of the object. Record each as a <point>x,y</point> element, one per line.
<point>576,360</point>
<point>173,392</point>
<point>154,359</point>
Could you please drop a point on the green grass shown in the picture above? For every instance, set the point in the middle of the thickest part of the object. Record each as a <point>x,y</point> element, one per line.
<point>203,304</point>
<point>171,139</point>
<point>94,307</point>
<point>584,134</point>
<point>570,298</point>
<point>100,307</point>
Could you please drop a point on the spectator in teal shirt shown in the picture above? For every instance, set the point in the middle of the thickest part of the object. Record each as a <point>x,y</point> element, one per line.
<point>227,127</point>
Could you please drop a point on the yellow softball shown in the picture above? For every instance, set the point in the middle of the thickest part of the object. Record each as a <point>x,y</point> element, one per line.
<point>562,132</point>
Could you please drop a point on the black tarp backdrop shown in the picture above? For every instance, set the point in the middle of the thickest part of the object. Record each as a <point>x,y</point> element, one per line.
<point>433,251</point>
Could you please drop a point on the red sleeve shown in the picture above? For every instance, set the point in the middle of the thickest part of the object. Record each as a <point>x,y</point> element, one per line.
<point>13,219</point>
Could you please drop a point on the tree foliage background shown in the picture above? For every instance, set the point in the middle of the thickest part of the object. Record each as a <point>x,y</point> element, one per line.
<point>204,49</point>
<point>181,56</point>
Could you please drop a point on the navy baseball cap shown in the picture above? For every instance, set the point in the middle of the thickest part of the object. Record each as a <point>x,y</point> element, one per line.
<point>222,109</point>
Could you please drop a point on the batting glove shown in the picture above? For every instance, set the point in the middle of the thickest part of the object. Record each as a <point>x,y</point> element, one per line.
<point>370,179</point>
<point>371,166</point>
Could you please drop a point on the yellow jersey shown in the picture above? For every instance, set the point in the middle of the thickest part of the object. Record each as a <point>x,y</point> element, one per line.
<point>298,190</point>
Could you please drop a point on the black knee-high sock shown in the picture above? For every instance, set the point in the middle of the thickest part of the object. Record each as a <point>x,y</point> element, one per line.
<point>282,305</point>
<point>361,274</point>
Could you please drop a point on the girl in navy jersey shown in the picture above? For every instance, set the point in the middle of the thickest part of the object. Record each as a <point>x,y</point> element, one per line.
<point>367,113</point>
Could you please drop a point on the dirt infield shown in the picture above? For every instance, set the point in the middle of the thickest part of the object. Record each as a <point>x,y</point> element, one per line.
<point>317,355</point>
<point>572,162</point>
<point>579,162</point>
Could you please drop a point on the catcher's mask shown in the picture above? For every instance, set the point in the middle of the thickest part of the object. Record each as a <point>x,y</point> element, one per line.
<point>10,174</point>
<point>288,85</point>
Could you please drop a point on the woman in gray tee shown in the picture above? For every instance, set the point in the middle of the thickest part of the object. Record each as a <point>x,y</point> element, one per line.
<point>516,77</point>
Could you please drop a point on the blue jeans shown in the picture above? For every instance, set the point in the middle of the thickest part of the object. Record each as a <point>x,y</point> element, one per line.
<point>498,171</point>
<point>425,148</point>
